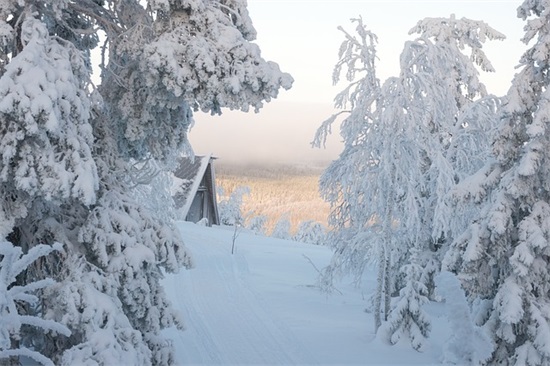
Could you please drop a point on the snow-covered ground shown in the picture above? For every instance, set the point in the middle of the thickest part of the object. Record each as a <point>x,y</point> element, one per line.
<point>261,306</point>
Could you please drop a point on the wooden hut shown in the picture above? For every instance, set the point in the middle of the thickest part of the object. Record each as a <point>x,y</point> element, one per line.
<point>194,190</point>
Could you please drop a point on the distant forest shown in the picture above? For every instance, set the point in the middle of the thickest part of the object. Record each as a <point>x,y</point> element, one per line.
<point>277,191</point>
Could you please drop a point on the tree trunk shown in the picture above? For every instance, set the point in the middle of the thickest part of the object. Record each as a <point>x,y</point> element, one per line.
<point>388,233</point>
<point>387,283</point>
<point>379,289</point>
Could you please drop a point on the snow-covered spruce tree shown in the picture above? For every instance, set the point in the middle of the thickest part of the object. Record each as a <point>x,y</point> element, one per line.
<point>503,258</point>
<point>389,187</point>
<point>12,332</point>
<point>47,170</point>
<point>67,149</point>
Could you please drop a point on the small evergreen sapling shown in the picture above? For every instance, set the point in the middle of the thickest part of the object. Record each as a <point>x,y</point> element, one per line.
<point>408,317</point>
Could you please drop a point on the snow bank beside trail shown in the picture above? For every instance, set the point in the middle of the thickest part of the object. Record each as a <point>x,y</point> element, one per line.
<point>261,306</point>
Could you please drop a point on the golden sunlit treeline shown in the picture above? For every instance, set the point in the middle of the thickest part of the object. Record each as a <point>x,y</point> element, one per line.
<point>276,191</point>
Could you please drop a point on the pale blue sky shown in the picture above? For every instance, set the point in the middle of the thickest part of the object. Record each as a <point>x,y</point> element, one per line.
<point>301,36</point>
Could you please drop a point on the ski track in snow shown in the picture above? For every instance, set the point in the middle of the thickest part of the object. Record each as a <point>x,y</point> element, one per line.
<point>260,307</point>
<point>250,333</point>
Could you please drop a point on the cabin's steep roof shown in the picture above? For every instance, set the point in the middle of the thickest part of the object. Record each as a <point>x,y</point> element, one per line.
<point>187,179</point>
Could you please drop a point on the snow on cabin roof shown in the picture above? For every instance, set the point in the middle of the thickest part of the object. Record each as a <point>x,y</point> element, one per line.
<point>189,175</point>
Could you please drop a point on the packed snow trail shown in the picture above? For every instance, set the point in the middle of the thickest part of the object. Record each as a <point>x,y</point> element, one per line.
<point>260,306</point>
<point>226,321</point>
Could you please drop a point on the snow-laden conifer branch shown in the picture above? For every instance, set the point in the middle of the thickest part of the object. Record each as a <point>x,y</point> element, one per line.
<point>471,33</point>
<point>26,352</point>
<point>13,263</point>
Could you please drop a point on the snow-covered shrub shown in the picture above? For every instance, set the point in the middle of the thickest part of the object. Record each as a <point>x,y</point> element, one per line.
<point>203,222</point>
<point>310,232</point>
<point>256,223</point>
<point>281,230</point>
<point>230,207</point>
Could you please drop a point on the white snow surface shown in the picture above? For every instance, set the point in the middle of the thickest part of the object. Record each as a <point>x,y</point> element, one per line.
<point>261,306</point>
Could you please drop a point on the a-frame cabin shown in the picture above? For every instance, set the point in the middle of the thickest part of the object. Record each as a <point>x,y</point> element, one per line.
<point>194,191</point>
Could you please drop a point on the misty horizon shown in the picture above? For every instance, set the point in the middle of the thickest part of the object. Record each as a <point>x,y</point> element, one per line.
<point>281,133</point>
